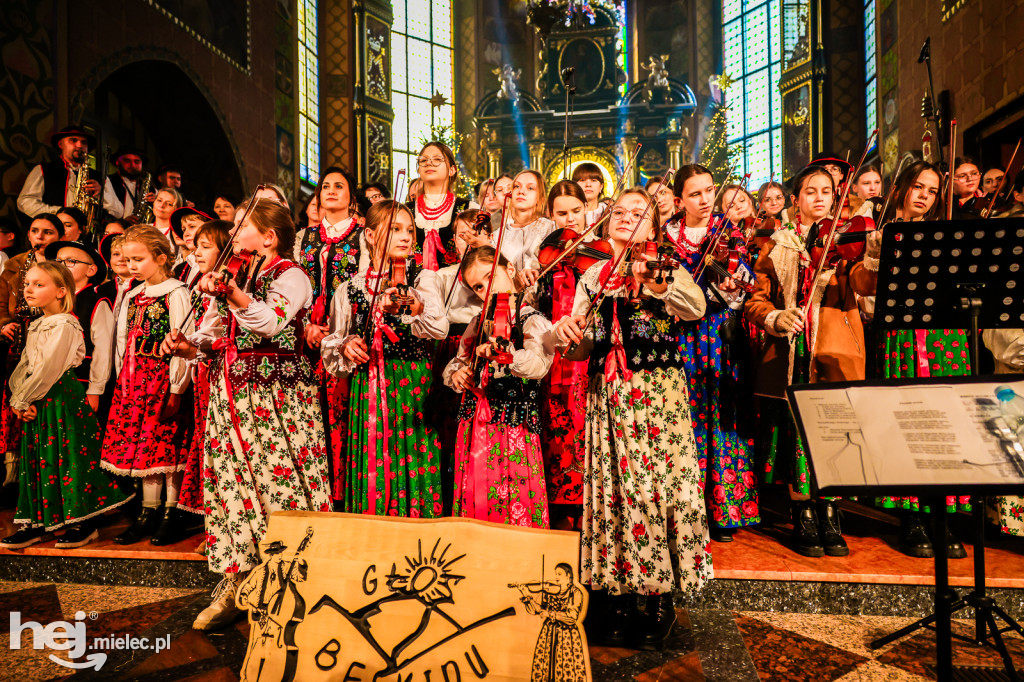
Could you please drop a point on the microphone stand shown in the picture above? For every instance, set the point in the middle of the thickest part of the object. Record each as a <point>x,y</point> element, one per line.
<point>568,76</point>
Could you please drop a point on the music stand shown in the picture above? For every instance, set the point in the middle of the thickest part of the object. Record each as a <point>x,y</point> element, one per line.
<point>941,275</point>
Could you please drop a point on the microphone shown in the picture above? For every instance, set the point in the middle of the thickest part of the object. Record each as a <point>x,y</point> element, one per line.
<point>926,51</point>
<point>568,72</point>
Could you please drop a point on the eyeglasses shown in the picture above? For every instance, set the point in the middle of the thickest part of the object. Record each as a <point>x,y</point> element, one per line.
<point>967,176</point>
<point>72,262</point>
<point>435,161</point>
<point>621,213</point>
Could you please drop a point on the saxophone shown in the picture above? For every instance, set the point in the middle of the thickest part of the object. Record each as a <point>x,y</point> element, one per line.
<point>143,210</point>
<point>85,202</point>
<point>23,312</point>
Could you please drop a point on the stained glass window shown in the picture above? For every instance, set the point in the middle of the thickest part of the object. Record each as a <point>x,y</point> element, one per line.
<point>751,50</point>
<point>870,70</point>
<point>309,93</point>
<point>421,69</point>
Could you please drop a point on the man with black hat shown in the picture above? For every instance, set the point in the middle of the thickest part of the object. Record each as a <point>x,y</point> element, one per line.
<point>169,177</point>
<point>94,312</point>
<point>120,193</point>
<point>51,185</point>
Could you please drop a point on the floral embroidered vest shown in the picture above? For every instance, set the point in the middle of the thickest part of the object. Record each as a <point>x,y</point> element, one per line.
<point>650,335</point>
<point>407,346</point>
<point>149,320</point>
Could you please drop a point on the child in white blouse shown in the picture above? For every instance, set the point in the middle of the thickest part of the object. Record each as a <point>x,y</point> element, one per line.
<point>60,483</point>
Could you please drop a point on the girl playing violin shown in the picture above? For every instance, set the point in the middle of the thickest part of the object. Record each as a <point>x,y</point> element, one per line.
<point>380,335</point>
<point>867,185</point>
<point>264,447</point>
<point>644,523</point>
<point>499,469</point>
<point>904,353</point>
<point>589,177</point>
<point>772,201</point>
<point>435,208</point>
<point>718,372</point>
<point>831,349</point>
<point>665,198</point>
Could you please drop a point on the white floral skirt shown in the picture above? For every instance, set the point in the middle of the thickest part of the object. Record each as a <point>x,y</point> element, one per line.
<point>274,460</point>
<point>645,526</point>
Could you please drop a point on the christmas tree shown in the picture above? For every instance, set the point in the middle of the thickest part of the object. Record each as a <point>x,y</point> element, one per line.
<point>715,152</point>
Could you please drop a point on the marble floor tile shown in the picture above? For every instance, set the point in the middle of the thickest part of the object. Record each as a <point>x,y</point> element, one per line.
<point>786,656</point>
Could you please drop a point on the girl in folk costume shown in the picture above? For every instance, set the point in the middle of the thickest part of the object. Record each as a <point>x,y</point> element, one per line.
<point>264,447</point>
<point>491,196</point>
<point>165,203</point>
<point>499,469</point>
<point>521,242</point>
<point>331,253</point>
<point>393,463</point>
<point>866,191</point>
<point>644,522</point>
<point>211,240</point>
<point>120,281</point>
<point>589,177</point>
<point>828,347</point>
<point>717,371</point>
<point>559,653</point>
<point>664,197</point>
<point>966,182</point>
<point>60,483</point>
<point>905,353</point>
<point>771,200</point>
<point>143,436</point>
<point>1007,346</point>
<point>472,229</point>
<point>435,208</point>
<point>564,403</point>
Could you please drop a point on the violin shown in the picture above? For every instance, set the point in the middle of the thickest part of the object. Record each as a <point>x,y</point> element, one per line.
<point>662,260</point>
<point>498,327</point>
<point>402,300</point>
<point>582,255</point>
<point>239,267</point>
<point>849,242</point>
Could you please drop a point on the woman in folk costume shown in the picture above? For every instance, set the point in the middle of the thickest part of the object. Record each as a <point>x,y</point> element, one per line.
<point>331,252</point>
<point>906,353</point>
<point>499,469</point>
<point>644,521</point>
<point>827,347</point>
<point>434,210</point>
<point>718,372</point>
<point>264,435</point>
<point>527,226</point>
<point>393,460</point>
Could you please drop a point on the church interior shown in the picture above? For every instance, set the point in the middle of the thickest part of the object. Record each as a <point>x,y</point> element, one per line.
<point>231,94</point>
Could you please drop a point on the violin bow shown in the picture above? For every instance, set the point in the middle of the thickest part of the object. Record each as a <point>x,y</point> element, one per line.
<point>892,190</point>
<point>719,225</point>
<point>367,325</point>
<point>836,212</point>
<point>458,273</point>
<point>593,228</point>
<point>1012,169</point>
<point>602,289</point>
<point>952,168</point>
<point>490,286</point>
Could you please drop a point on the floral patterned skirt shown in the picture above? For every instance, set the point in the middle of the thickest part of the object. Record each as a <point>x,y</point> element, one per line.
<point>190,498</point>
<point>60,481</point>
<point>499,474</point>
<point>138,442</point>
<point>272,460</point>
<point>644,522</point>
<point>722,427</point>
<point>334,403</point>
<point>909,353</point>
<point>403,479</point>
<point>1007,513</point>
<point>564,419</point>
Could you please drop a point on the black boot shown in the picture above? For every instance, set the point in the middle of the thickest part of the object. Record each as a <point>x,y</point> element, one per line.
<point>721,534</point>
<point>619,620</point>
<point>170,530</point>
<point>831,533</point>
<point>805,538</point>
<point>597,608</point>
<point>656,625</point>
<point>144,526</point>
<point>954,548</point>
<point>914,540</point>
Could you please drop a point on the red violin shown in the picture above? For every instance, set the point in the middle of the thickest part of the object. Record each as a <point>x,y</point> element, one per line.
<point>402,299</point>
<point>849,242</point>
<point>582,254</point>
<point>498,327</point>
<point>661,259</point>
<point>238,267</point>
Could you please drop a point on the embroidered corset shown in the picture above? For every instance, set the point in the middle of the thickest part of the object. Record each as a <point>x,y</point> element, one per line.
<point>514,401</point>
<point>650,336</point>
<point>407,346</point>
<point>264,359</point>
<point>149,321</point>
<point>342,260</point>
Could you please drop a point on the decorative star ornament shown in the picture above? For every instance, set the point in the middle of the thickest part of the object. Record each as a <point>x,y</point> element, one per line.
<point>724,81</point>
<point>438,100</point>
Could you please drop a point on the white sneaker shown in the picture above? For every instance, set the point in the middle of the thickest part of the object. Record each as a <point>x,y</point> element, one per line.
<point>222,611</point>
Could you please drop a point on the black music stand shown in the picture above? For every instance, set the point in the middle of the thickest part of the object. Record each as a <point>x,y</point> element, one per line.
<point>954,275</point>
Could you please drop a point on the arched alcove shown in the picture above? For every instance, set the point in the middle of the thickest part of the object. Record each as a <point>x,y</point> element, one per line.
<point>154,105</point>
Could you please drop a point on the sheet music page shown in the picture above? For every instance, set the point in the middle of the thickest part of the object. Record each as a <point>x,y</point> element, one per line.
<point>923,435</point>
<point>833,427</point>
